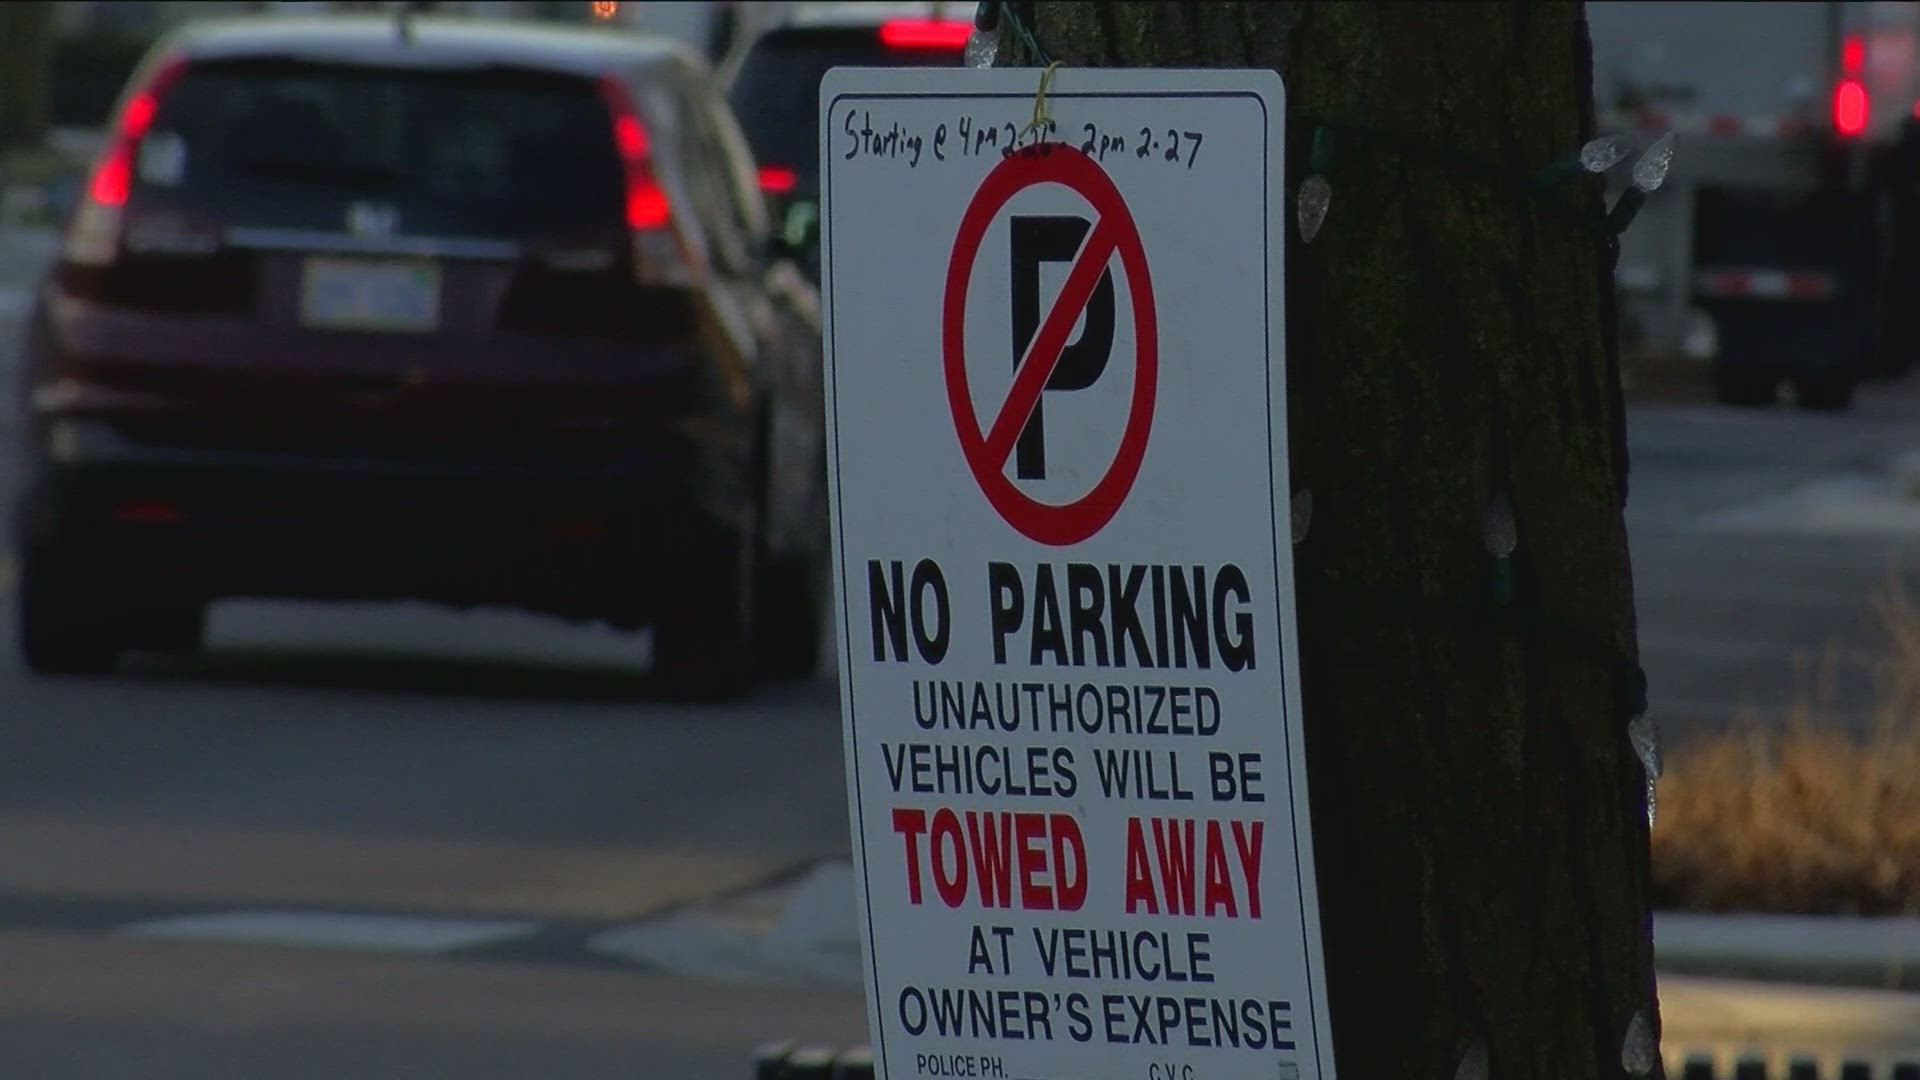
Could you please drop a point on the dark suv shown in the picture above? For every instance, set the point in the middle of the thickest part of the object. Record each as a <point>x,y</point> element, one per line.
<point>776,88</point>
<point>366,308</point>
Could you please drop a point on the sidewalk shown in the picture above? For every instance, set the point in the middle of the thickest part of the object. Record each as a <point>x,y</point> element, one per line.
<point>1747,997</point>
<point>804,930</point>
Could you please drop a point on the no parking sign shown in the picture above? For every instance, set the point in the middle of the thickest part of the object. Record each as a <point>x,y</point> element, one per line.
<point>1056,408</point>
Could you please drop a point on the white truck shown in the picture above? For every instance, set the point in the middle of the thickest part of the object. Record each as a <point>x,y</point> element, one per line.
<point>1784,247</point>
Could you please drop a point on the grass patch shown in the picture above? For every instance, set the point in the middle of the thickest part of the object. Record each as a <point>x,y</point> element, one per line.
<point>1803,817</point>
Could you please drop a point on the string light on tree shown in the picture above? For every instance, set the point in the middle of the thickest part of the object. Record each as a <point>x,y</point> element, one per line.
<point>983,45</point>
<point>1646,746</point>
<point>1500,531</point>
<point>1639,1050</point>
<point>1603,153</point>
<point>1651,170</point>
<point>983,48</point>
<point>1474,1064</point>
<point>1315,195</point>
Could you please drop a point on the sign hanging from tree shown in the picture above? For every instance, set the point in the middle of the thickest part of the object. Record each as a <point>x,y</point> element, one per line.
<point>1057,442</point>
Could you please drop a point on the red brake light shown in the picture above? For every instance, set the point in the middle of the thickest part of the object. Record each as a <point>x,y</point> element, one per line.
<point>933,34</point>
<point>1853,55</point>
<point>148,512</point>
<point>112,180</point>
<point>631,138</point>
<point>1850,108</point>
<point>777,179</point>
<point>647,206</point>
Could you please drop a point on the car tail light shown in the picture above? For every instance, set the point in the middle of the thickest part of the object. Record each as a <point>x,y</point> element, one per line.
<point>148,512</point>
<point>929,35</point>
<point>1851,108</point>
<point>778,179</point>
<point>95,236</point>
<point>647,206</point>
<point>660,257</point>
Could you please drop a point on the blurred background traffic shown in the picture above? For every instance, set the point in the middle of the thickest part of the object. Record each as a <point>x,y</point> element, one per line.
<point>416,584</point>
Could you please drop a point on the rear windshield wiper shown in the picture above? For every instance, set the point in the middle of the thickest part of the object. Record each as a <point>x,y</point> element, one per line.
<point>324,172</point>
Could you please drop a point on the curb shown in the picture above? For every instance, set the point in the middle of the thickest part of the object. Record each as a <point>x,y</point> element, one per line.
<point>1869,953</point>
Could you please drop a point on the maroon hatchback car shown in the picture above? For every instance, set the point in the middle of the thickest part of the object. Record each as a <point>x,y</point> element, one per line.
<point>366,308</point>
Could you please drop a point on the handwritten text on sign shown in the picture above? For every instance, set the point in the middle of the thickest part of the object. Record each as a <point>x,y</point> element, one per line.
<point>1057,401</point>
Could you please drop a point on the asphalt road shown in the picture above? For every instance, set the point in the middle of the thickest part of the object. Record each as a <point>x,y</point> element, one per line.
<point>1760,541</point>
<point>440,813</point>
<point>392,842</point>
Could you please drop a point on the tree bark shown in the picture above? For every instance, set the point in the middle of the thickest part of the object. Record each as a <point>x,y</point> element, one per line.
<point>1479,813</point>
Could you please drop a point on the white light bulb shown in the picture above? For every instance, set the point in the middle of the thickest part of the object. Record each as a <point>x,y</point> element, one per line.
<point>1639,1051</point>
<point>1604,153</point>
<point>1474,1064</point>
<point>1646,744</point>
<point>1501,532</point>
<point>983,48</point>
<point>1651,170</point>
<point>1315,194</point>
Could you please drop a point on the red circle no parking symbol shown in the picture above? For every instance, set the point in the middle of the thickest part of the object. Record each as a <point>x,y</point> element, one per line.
<point>989,450</point>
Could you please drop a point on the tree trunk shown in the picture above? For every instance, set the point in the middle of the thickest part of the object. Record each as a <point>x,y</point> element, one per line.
<point>1479,813</point>
<point>26,59</point>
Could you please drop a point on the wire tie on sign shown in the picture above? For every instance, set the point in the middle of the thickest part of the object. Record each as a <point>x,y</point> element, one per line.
<point>1041,120</point>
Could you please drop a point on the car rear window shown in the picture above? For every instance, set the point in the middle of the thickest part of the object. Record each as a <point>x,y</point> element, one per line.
<point>499,153</point>
<point>776,93</point>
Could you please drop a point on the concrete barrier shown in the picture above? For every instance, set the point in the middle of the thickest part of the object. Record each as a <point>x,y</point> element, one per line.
<point>1714,1029</point>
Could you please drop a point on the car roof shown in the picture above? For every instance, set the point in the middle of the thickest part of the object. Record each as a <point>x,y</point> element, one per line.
<point>849,13</point>
<point>432,42</point>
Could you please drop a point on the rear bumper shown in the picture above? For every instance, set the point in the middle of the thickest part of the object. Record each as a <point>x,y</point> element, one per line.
<point>577,539</point>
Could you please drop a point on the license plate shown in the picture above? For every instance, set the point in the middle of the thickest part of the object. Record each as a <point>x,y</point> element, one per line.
<point>350,294</point>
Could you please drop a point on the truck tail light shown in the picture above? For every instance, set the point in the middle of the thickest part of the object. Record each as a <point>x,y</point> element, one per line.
<point>925,35</point>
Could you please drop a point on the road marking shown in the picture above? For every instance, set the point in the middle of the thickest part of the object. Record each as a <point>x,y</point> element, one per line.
<point>333,930</point>
<point>224,868</point>
<point>1835,505</point>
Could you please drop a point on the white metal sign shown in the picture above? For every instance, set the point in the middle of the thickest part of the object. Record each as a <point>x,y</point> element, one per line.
<point>1057,433</point>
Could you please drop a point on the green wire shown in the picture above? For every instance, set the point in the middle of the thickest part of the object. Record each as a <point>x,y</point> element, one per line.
<point>1026,36</point>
